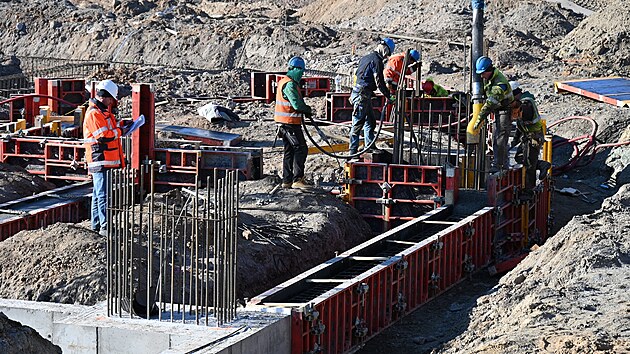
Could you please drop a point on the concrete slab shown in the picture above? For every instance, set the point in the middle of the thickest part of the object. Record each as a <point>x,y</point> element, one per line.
<point>83,329</point>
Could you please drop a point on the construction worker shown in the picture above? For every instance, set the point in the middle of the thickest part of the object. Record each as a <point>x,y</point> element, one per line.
<point>393,69</point>
<point>432,89</point>
<point>290,110</point>
<point>529,138</point>
<point>368,77</point>
<point>103,149</point>
<point>498,99</point>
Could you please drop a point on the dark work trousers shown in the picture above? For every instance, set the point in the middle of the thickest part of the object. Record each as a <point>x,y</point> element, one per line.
<point>295,152</point>
<point>502,126</point>
<point>527,154</point>
<point>362,119</point>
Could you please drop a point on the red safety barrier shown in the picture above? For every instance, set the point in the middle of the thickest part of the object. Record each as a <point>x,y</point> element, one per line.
<point>344,318</point>
<point>388,195</point>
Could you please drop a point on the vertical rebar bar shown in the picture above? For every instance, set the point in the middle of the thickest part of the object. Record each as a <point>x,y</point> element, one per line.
<point>110,296</point>
<point>172,214</point>
<point>439,131</point>
<point>150,239</point>
<point>196,231</point>
<point>215,253</point>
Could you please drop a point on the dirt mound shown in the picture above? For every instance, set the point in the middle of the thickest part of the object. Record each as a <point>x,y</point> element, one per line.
<point>63,263</point>
<point>16,338</point>
<point>601,42</point>
<point>15,183</point>
<point>569,296</point>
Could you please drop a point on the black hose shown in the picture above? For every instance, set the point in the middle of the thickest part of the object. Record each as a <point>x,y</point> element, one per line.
<point>357,154</point>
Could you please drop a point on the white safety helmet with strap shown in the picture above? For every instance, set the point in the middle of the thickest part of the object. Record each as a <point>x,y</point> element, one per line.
<point>109,86</point>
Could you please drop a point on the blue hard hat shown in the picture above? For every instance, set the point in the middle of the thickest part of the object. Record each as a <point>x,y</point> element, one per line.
<point>483,64</point>
<point>297,62</point>
<point>390,44</point>
<point>415,54</point>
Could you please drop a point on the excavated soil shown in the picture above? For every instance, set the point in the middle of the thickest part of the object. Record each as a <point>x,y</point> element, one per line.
<point>16,339</point>
<point>65,263</point>
<point>15,183</point>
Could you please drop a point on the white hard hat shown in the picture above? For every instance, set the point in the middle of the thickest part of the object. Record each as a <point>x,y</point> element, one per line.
<point>109,86</point>
<point>514,85</point>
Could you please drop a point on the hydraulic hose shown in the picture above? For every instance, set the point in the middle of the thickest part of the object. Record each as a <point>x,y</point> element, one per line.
<point>584,146</point>
<point>350,156</point>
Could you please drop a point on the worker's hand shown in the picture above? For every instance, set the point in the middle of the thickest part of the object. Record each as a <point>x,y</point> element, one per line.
<point>308,115</point>
<point>391,99</point>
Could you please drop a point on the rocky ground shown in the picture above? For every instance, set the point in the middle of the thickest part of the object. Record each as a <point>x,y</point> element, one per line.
<point>536,42</point>
<point>15,182</point>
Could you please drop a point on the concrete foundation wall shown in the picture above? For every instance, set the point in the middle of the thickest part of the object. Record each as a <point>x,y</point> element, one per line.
<point>82,329</point>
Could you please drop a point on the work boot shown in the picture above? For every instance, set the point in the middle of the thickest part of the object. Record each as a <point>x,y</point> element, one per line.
<point>287,184</point>
<point>300,184</point>
<point>544,167</point>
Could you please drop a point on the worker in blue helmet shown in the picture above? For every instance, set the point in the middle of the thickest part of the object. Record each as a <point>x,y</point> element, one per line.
<point>289,112</point>
<point>499,98</point>
<point>367,79</point>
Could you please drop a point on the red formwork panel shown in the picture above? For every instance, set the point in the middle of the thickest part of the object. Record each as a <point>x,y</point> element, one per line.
<point>359,309</point>
<point>71,90</point>
<point>183,165</point>
<point>310,86</point>
<point>387,195</point>
<point>63,211</point>
<point>339,109</point>
<point>503,192</point>
<point>65,161</point>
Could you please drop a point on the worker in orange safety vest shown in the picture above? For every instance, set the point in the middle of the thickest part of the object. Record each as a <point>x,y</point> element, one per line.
<point>103,149</point>
<point>289,111</point>
<point>394,69</point>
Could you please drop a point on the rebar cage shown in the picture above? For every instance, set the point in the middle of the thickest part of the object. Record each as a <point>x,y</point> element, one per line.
<point>171,257</point>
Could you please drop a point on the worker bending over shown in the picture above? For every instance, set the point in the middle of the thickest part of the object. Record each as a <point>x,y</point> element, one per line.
<point>498,100</point>
<point>394,68</point>
<point>290,110</point>
<point>431,89</point>
<point>368,77</point>
<point>529,138</point>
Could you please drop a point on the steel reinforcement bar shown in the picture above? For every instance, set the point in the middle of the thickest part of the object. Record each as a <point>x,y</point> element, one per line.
<point>339,305</point>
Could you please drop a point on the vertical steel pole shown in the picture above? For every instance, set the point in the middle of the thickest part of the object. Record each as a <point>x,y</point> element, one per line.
<point>207,247</point>
<point>172,214</point>
<point>110,296</point>
<point>215,254</point>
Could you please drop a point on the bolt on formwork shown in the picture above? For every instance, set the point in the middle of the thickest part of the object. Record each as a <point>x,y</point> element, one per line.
<point>172,257</point>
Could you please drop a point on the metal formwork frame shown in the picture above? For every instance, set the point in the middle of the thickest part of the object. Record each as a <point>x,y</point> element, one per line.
<point>381,187</point>
<point>342,319</point>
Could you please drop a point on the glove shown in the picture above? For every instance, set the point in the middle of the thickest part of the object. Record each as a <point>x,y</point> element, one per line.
<point>308,115</point>
<point>391,99</point>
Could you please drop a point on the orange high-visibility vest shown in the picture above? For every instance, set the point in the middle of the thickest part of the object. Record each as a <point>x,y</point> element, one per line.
<point>285,113</point>
<point>393,69</point>
<point>101,134</point>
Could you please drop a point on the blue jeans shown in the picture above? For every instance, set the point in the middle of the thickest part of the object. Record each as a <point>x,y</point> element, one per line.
<point>362,118</point>
<point>99,201</point>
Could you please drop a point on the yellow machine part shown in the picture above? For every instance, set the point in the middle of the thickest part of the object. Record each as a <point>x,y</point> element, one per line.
<point>472,135</point>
